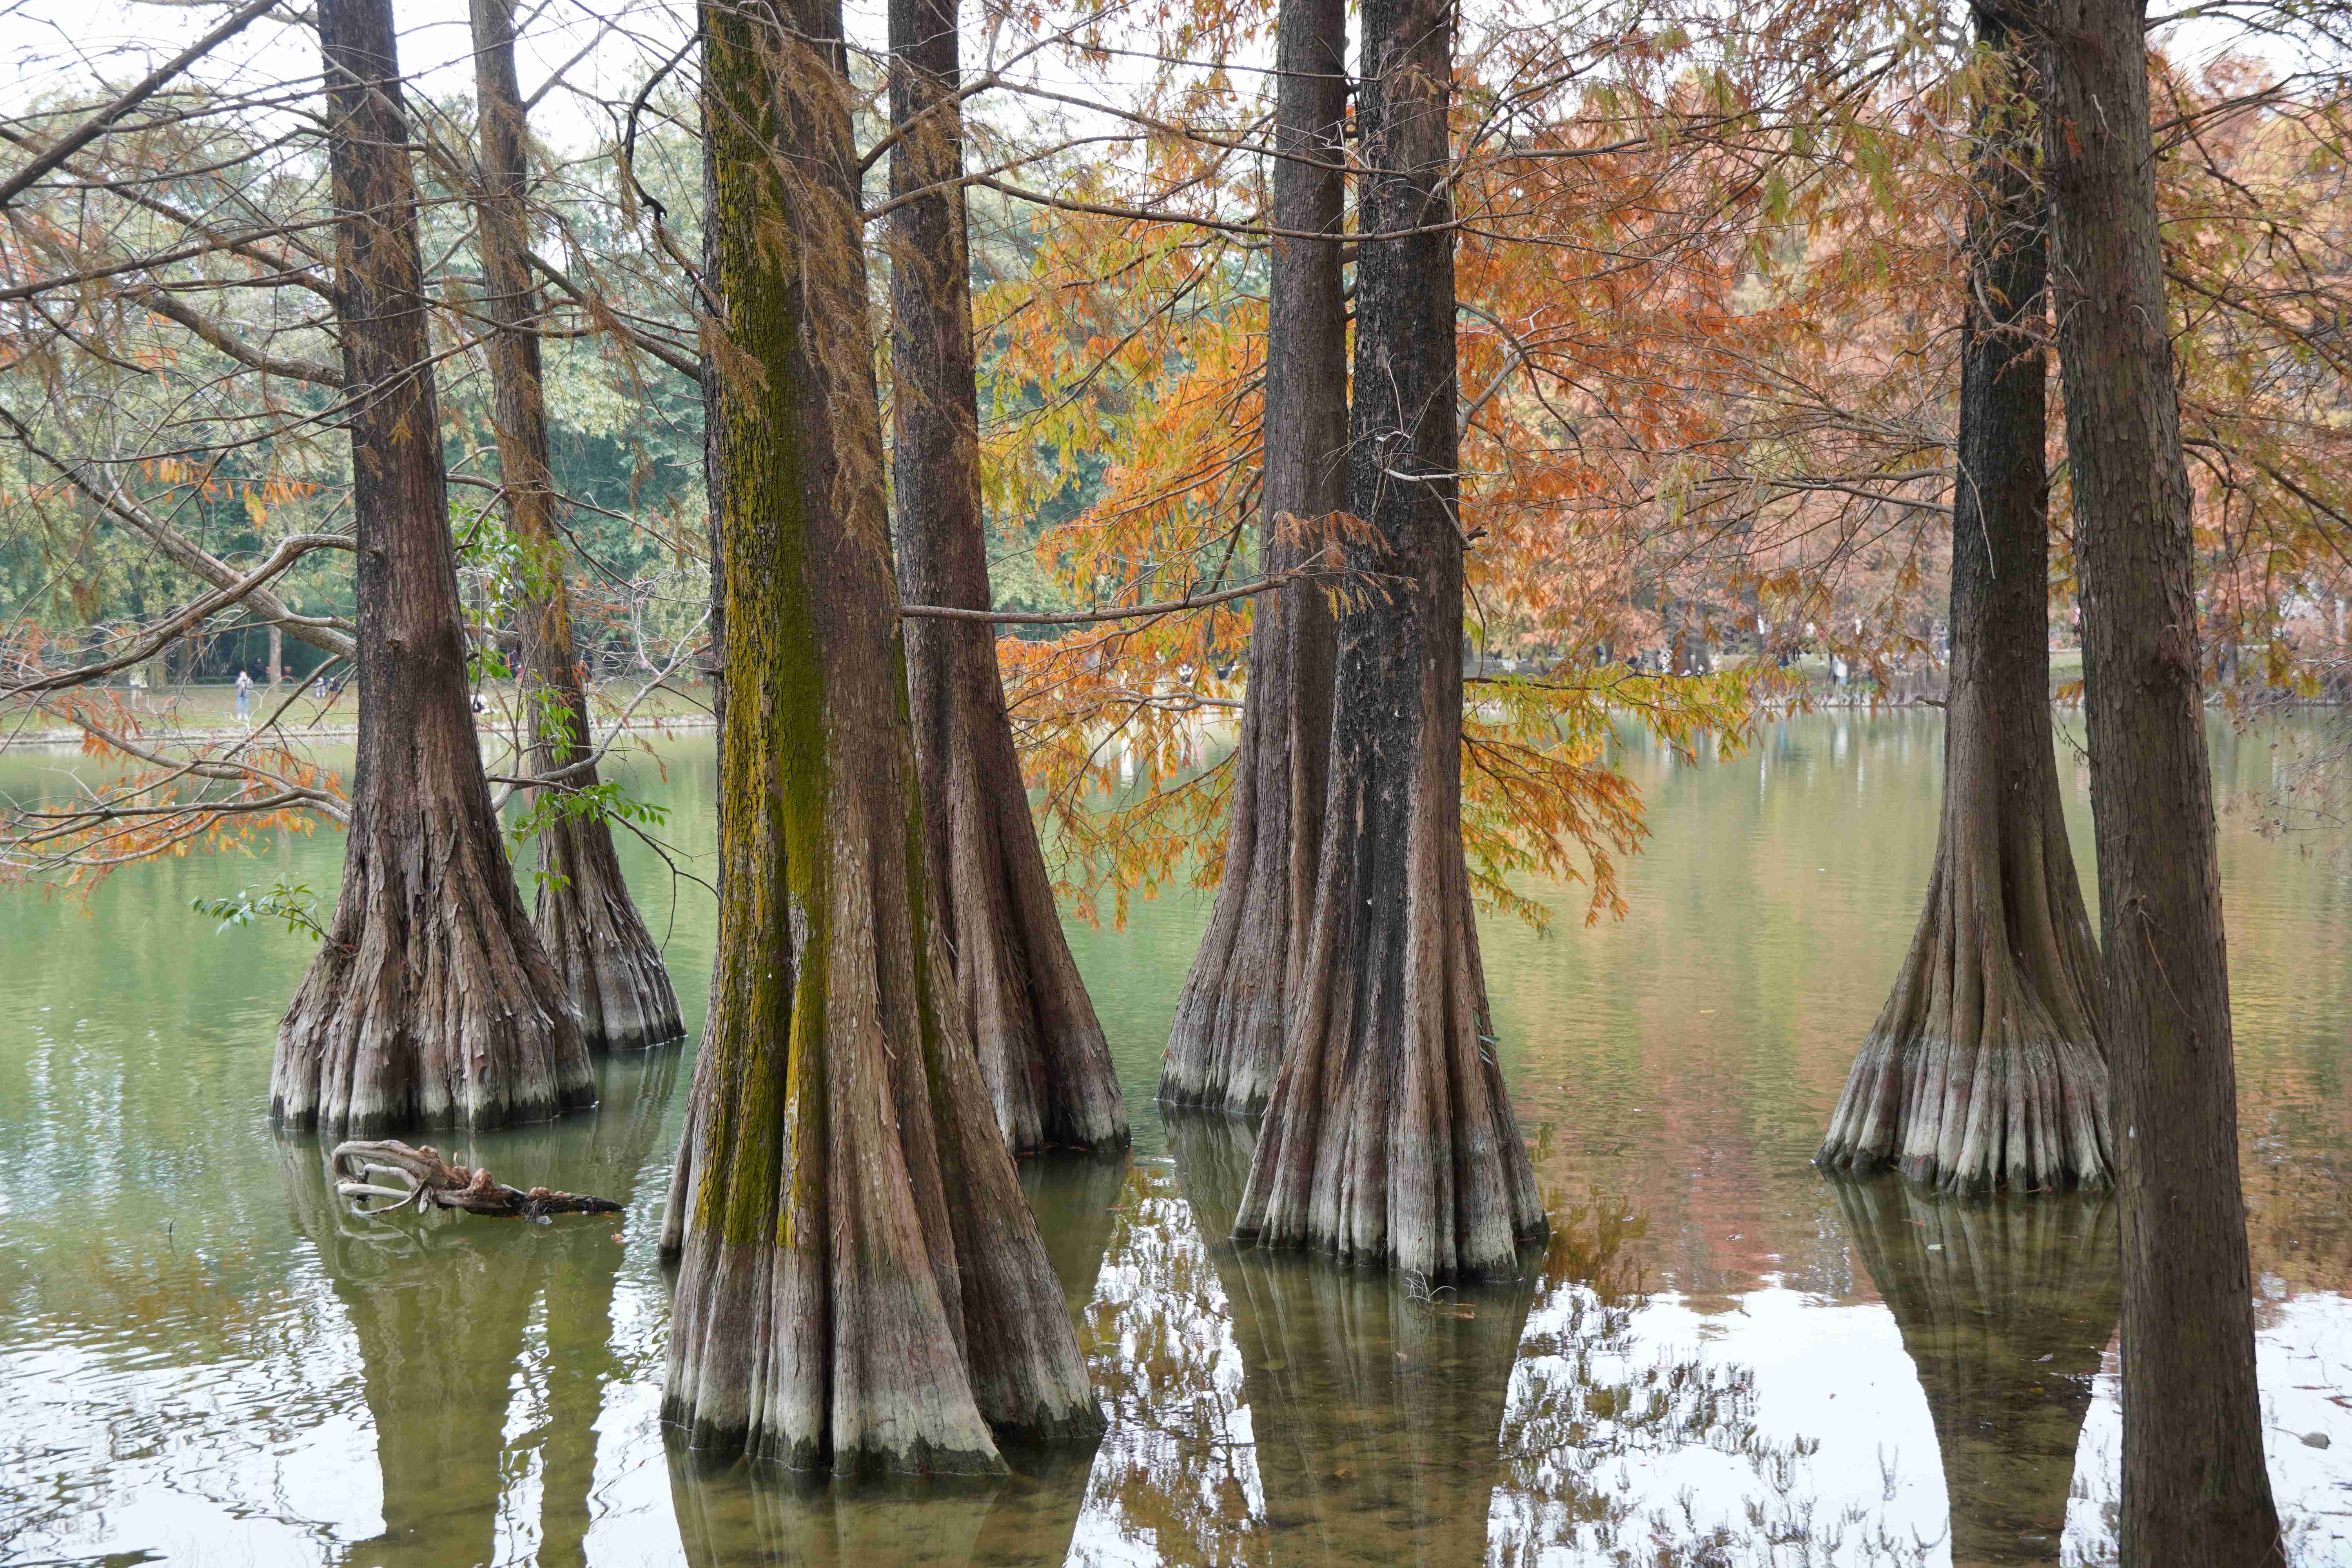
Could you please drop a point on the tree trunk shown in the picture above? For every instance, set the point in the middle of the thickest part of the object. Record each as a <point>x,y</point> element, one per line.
<point>1041,1047</point>
<point>859,1282</point>
<point>1228,1039</point>
<point>1986,1069</point>
<point>2005,1310</point>
<point>1389,1136</point>
<point>612,969</point>
<point>2195,1491</point>
<point>432,999</point>
<point>277,655</point>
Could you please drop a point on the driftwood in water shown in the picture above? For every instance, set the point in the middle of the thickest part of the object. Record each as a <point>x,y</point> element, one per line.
<point>434,1181</point>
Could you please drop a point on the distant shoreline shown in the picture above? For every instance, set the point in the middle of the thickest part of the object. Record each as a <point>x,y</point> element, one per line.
<point>71,738</point>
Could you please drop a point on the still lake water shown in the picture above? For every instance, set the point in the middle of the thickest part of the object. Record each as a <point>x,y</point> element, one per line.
<point>1720,1357</point>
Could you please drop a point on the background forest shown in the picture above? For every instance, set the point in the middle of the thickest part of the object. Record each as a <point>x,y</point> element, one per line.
<point>1710,285</point>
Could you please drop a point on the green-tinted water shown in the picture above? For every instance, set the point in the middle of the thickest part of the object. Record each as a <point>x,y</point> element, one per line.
<point>1720,1357</point>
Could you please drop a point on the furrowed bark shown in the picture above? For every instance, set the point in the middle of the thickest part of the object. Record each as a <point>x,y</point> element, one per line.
<point>610,967</point>
<point>432,1000</point>
<point>859,1282</point>
<point>2195,1490</point>
<point>1041,1047</point>
<point>1986,1069</point>
<point>1227,1038</point>
<point>2005,1308</point>
<point>1389,1137</point>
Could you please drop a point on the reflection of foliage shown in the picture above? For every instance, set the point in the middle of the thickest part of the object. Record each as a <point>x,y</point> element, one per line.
<point>1589,1407</point>
<point>1177,1478</point>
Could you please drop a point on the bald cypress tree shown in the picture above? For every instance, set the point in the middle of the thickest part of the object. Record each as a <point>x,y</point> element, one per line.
<point>612,969</point>
<point>1041,1047</point>
<point>1389,1137</point>
<point>1986,1068</point>
<point>1226,1040</point>
<point>432,999</point>
<point>859,1283</point>
<point>2196,1492</point>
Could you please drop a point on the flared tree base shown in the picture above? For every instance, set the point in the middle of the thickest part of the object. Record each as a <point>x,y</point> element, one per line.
<point>430,1004</point>
<point>1390,1140</point>
<point>610,967</point>
<point>1226,1042</point>
<point>1984,1071</point>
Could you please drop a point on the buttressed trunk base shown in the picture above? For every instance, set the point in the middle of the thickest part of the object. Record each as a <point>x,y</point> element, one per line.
<point>432,1000</point>
<point>1390,1137</point>
<point>1041,1047</point>
<point>859,1283</point>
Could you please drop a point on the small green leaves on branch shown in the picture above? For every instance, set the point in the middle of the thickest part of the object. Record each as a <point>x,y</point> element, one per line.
<point>291,902</point>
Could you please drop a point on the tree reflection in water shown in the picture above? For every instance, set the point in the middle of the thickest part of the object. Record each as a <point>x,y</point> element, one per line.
<point>2006,1306</point>
<point>734,1511</point>
<point>1372,1405</point>
<point>472,1418</point>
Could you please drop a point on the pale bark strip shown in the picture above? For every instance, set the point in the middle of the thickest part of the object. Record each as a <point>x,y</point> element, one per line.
<point>1389,1137</point>
<point>860,1284</point>
<point>1986,1067</point>
<point>2195,1493</point>
<point>1041,1047</point>
<point>612,969</point>
<point>432,1000</point>
<point>1226,1040</point>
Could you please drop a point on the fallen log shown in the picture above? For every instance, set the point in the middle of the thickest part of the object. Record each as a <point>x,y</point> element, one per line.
<point>363,1167</point>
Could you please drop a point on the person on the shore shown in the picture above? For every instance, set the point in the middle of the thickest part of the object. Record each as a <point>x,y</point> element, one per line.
<point>245,698</point>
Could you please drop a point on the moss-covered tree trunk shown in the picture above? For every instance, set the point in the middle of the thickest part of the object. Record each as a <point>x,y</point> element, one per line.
<point>1389,1137</point>
<point>2005,1309</point>
<point>859,1283</point>
<point>1041,1047</point>
<point>2195,1490</point>
<point>612,969</point>
<point>1228,1039</point>
<point>1985,1068</point>
<point>432,999</point>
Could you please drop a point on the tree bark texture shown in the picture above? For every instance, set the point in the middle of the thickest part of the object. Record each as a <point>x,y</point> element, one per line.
<point>1041,1047</point>
<point>1389,1136</point>
<point>2195,1490</point>
<point>859,1282</point>
<point>1986,1068</point>
<point>432,1000</point>
<point>610,967</point>
<point>2005,1309</point>
<point>1228,1039</point>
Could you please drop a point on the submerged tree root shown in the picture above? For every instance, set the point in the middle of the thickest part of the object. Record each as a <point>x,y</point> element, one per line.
<point>434,1183</point>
